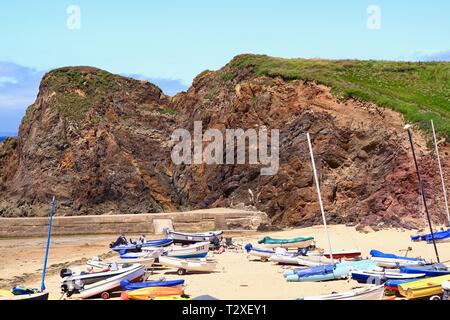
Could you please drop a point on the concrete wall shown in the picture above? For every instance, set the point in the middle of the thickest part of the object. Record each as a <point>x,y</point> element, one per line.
<point>192,221</point>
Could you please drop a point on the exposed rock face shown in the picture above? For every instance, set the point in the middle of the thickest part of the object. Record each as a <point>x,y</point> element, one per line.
<point>101,144</point>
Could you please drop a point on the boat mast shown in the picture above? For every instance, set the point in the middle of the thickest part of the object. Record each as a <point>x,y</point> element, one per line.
<point>441,173</point>
<point>408,128</point>
<point>48,245</point>
<point>327,235</point>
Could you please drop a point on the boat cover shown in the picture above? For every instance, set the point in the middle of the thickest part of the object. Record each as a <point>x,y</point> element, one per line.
<point>269,240</point>
<point>435,270</point>
<point>127,285</point>
<point>440,235</point>
<point>315,271</point>
<point>379,254</point>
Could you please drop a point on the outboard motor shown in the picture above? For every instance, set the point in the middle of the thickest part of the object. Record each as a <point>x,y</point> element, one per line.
<point>65,273</point>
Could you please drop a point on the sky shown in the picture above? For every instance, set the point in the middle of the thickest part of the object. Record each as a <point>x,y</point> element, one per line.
<point>169,42</point>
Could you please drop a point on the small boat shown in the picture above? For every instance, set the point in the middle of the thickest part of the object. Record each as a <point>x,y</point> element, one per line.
<point>88,284</point>
<point>185,265</point>
<point>339,254</point>
<point>145,258</point>
<point>129,286</point>
<point>6,295</point>
<point>192,251</point>
<point>137,246</point>
<point>366,293</point>
<point>379,277</point>
<point>282,256</point>
<point>263,254</point>
<point>427,287</point>
<point>287,243</point>
<point>439,236</point>
<point>393,261</point>
<point>392,284</point>
<point>151,292</point>
<point>190,238</point>
<point>433,270</point>
<point>328,272</point>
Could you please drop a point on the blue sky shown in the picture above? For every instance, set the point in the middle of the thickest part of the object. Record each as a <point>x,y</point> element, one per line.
<point>171,41</point>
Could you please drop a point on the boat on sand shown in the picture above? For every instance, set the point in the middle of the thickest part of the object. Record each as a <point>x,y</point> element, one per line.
<point>287,243</point>
<point>188,265</point>
<point>425,288</point>
<point>366,293</point>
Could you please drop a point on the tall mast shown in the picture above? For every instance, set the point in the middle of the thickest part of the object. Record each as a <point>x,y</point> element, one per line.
<point>441,173</point>
<point>408,128</point>
<point>327,235</point>
<point>44,270</point>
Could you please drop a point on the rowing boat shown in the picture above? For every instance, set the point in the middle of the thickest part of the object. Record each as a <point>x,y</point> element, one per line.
<point>366,293</point>
<point>151,292</point>
<point>423,288</point>
<point>263,254</point>
<point>137,246</point>
<point>192,251</point>
<point>185,265</point>
<point>287,243</point>
<point>128,286</point>
<point>282,256</point>
<point>440,236</point>
<point>433,270</point>
<point>393,261</point>
<point>379,277</point>
<point>338,254</point>
<point>190,238</point>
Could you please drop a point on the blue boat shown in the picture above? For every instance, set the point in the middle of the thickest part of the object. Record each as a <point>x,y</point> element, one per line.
<point>434,270</point>
<point>379,277</point>
<point>438,236</point>
<point>137,246</point>
<point>129,286</point>
<point>392,284</point>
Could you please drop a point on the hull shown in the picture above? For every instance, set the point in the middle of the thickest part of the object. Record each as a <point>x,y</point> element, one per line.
<point>308,261</point>
<point>198,250</point>
<point>128,286</point>
<point>342,254</point>
<point>188,265</point>
<point>290,245</point>
<point>374,277</point>
<point>264,254</point>
<point>370,293</point>
<point>146,262</point>
<point>136,247</point>
<point>396,263</point>
<point>191,238</point>
<point>112,283</point>
<point>149,293</point>
<point>27,297</point>
<point>423,288</point>
<point>429,271</point>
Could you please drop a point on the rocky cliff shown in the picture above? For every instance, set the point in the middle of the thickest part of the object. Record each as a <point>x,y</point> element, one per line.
<point>101,144</point>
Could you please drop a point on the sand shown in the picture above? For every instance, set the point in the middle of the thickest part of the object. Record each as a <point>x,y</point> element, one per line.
<point>237,277</point>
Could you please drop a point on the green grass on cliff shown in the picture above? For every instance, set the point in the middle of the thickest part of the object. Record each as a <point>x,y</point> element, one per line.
<point>418,90</point>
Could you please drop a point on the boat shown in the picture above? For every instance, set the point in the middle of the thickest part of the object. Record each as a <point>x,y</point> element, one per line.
<point>145,258</point>
<point>263,254</point>
<point>433,270</point>
<point>192,251</point>
<point>338,254</point>
<point>393,261</point>
<point>425,288</point>
<point>9,296</point>
<point>190,238</point>
<point>366,293</point>
<point>151,292</point>
<point>129,286</point>
<point>379,277</point>
<point>137,246</point>
<point>392,284</point>
<point>428,237</point>
<point>282,256</point>
<point>188,265</point>
<point>296,243</point>
<point>328,272</point>
<point>112,274</point>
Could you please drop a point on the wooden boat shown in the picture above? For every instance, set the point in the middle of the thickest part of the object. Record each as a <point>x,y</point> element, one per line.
<point>263,254</point>
<point>187,265</point>
<point>423,288</point>
<point>393,261</point>
<point>151,292</point>
<point>90,284</point>
<point>5,296</point>
<point>366,293</point>
<point>129,286</point>
<point>191,251</point>
<point>379,277</point>
<point>190,238</point>
<point>287,243</point>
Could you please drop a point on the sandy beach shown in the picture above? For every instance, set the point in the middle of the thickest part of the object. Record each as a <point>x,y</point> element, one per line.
<point>237,277</point>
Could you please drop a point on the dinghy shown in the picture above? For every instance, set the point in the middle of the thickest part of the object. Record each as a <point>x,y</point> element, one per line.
<point>434,270</point>
<point>440,235</point>
<point>8,295</point>
<point>192,251</point>
<point>392,284</point>
<point>187,265</point>
<point>190,238</point>
<point>151,292</point>
<point>295,243</point>
<point>379,277</point>
<point>108,285</point>
<point>282,256</point>
<point>367,293</point>
<point>338,254</point>
<point>423,288</point>
<point>96,264</point>
<point>263,254</point>
<point>137,246</point>
<point>76,282</point>
<point>393,261</point>
<point>128,286</point>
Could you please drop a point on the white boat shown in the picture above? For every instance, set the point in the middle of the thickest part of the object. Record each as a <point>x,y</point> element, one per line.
<point>282,256</point>
<point>147,261</point>
<point>192,251</point>
<point>184,265</point>
<point>366,293</point>
<point>189,238</point>
<point>263,254</point>
<point>109,284</point>
<point>74,282</point>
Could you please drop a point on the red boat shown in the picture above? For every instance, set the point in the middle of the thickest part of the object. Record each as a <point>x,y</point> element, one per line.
<point>340,254</point>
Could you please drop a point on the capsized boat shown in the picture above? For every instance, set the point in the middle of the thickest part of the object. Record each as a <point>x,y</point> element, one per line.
<point>129,286</point>
<point>287,243</point>
<point>75,282</point>
<point>263,254</point>
<point>379,277</point>
<point>190,238</point>
<point>187,265</point>
<point>366,293</point>
<point>137,246</point>
<point>423,288</point>
<point>432,270</point>
<point>151,292</point>
<point>328,272</point>
<point>386,260</point>
<point>191,251</point>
